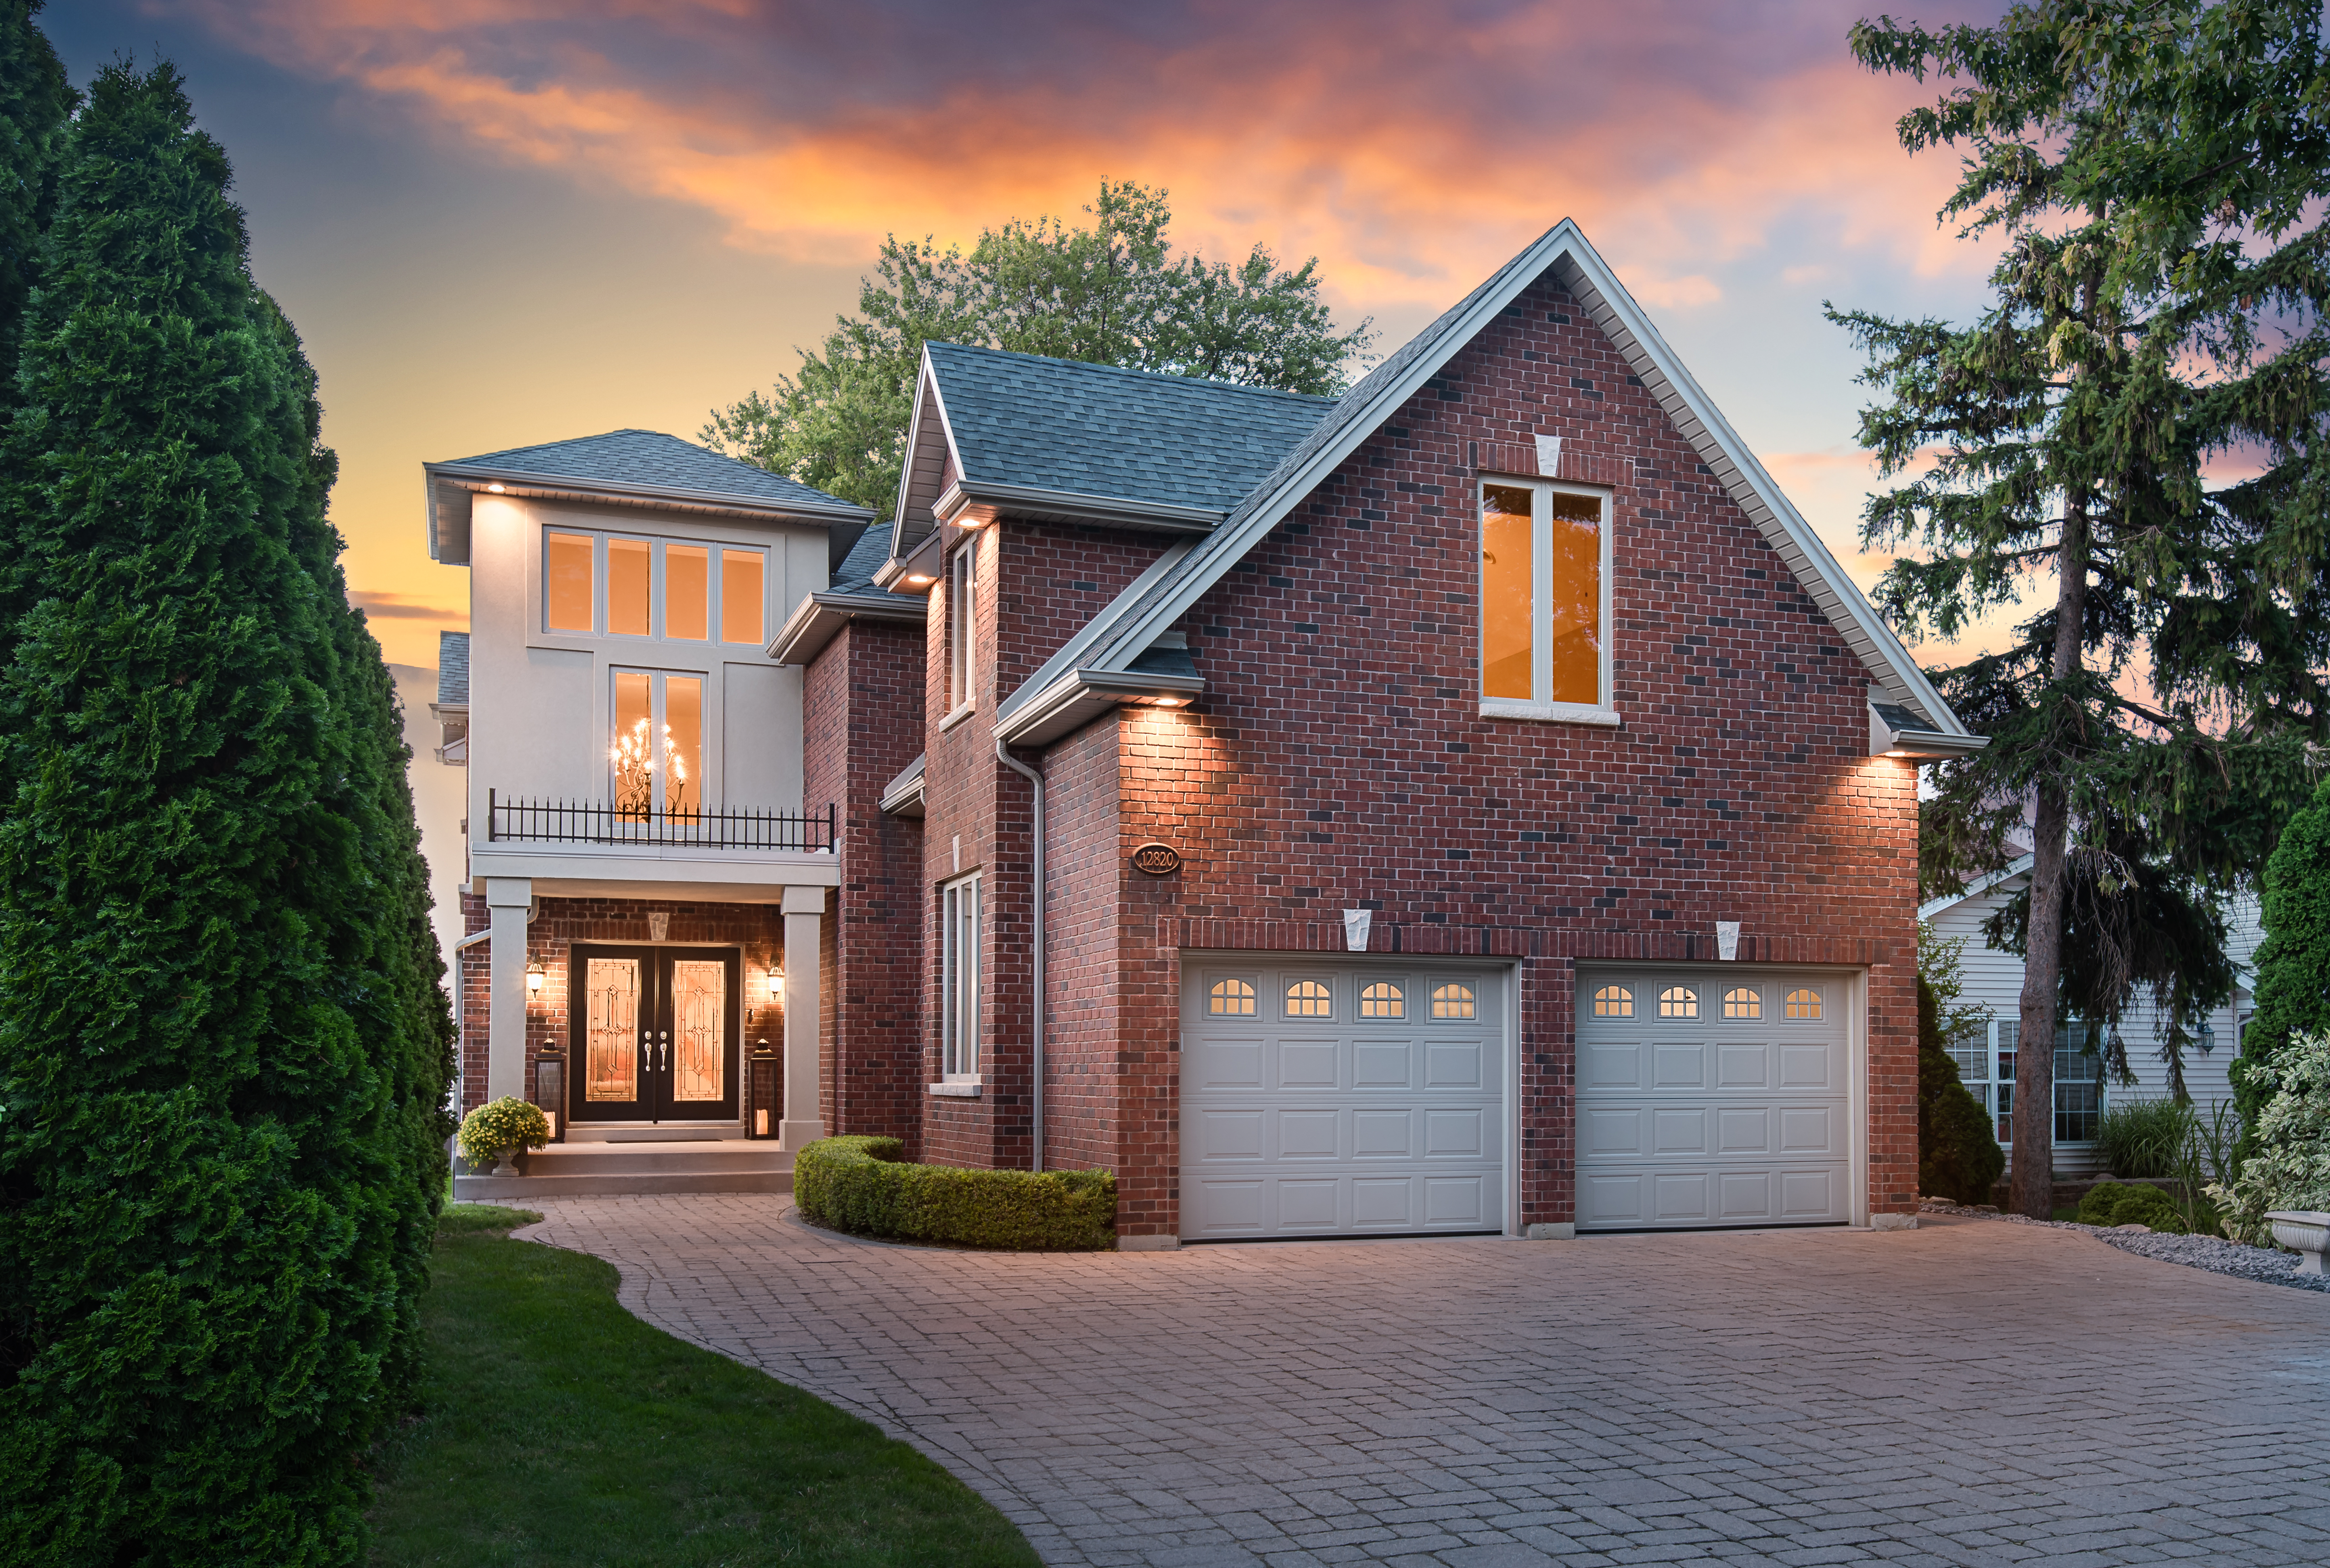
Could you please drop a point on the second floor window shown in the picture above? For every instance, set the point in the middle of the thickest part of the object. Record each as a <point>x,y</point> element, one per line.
<point>1544,597</point>
<point>657,755</point>
<point>962,623</point>
<point>653,588</point>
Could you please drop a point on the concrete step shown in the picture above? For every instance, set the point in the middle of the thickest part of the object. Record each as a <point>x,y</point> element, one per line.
<point>675,1165</point>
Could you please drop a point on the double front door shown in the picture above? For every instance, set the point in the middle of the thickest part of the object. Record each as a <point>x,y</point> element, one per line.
<point>655,1034</point>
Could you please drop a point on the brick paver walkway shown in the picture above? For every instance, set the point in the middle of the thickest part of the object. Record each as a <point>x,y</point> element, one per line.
<point>1804,1397</point>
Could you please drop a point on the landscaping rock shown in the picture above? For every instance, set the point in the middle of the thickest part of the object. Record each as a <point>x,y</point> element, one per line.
<point>2215,1254</point>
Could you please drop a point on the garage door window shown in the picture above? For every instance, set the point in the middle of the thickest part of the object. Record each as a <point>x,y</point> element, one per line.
<point>1383,1000</point>
<point>1743,1002</point>
<point>1452,1001</point>
<point>1678,1002</point>
<point>1613,1002</point>
<point>1230,999</point>
<point>1310,999</point>
<point>1804,1002</point>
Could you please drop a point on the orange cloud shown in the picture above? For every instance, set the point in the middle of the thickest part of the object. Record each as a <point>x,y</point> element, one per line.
<point>1410,149</point>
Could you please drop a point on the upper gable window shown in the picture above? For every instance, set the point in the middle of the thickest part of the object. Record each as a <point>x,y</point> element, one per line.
<point>618,585</point>
<point>1544,601</point>
<point>961,624</point>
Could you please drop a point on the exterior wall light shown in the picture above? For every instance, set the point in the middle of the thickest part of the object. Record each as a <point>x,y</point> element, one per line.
<point>919,578</point>
<point>533,978</point>
<point>1169,702</point>
<point>497,489</point>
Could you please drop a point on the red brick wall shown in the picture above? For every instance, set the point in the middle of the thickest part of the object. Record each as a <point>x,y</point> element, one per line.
<point>1339,759</point>
<point>862,723</point>
<point>1037,585</point>
<point>476,967</point>
<point>1083,1073</point>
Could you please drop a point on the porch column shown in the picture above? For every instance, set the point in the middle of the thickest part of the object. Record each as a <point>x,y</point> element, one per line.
<point>508,899</point>
<point>804,911</point>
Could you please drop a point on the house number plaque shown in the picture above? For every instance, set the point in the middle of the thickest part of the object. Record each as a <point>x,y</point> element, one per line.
<point>1157,859</point>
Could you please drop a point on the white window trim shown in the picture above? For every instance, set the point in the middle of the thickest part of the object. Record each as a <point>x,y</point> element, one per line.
<point>657,717</point>
<point>959,1058</point>
<point>962,634</point>
<point>1602,712</point>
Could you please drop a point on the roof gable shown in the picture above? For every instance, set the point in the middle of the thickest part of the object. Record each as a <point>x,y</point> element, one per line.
<point>1149,608</point>
<point>1047,436</point>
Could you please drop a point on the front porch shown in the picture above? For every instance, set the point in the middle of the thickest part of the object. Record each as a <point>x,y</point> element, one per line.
<point>667,1030</point>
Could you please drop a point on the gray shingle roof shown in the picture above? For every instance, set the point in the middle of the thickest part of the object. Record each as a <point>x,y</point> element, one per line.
<point>453,669</point>
<point>649,457</point>
<point>856,573</point>
<point>1094,429</point>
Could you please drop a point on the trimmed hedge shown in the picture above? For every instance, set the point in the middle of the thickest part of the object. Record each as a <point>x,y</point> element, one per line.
<point>2116,1204</point>
<point>1958,1156</point>
<point>859,1184</point>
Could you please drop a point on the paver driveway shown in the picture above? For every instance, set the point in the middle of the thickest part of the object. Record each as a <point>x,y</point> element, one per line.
<point>1970,1391</point>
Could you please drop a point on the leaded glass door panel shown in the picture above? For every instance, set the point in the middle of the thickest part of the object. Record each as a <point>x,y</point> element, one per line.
<point>654,1034</point>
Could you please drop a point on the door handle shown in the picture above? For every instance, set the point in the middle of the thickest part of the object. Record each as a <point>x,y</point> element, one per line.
<point>667,1050</point>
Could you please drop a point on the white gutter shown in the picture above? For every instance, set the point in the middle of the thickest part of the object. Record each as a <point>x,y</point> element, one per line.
<point>1035,782</point>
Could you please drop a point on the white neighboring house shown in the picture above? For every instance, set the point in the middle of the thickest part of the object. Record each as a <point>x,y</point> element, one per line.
<point>1994,980</point>
<point>644,884</point>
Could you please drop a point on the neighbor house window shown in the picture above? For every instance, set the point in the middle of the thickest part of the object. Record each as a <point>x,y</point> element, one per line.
<point>650,588</point>
<point>959,978</point>
<point>962,623</point>
<point>657,752</point>
<point>1986,1058</point>
<point>1544,573</point>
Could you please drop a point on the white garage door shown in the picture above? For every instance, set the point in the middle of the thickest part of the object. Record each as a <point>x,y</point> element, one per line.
<point>1711,1097</point>
<point>1339,1099</point>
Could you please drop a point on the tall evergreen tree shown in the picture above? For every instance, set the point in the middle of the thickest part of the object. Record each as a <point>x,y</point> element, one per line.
<point>1111,293</point>
<point>221,1057</point>
<point>35,100</point>
<point>2152,170</point>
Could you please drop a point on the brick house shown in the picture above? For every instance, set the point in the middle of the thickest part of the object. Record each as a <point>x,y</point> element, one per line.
<point>1476,803</point>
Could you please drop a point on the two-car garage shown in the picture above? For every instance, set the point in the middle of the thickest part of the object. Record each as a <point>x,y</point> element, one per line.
<point>1372,1097</point>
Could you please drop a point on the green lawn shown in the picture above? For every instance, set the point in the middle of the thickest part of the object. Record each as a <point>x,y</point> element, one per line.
<point>558,1430</point>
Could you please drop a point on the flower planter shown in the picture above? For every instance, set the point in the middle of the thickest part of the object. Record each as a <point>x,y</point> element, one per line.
<point>2305,1232</point>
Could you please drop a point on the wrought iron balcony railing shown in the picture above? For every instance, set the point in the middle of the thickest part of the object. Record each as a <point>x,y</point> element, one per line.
<point>602,822</point>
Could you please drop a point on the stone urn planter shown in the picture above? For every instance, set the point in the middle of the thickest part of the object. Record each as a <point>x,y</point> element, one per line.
<point>509,1166</point>
<point>2305,1232</point>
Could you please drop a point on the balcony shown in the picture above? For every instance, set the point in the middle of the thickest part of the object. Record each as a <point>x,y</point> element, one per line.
<point>580,822</point>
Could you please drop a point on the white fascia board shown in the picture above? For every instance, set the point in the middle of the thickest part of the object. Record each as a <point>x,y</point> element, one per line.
<point>521,481</point>
<point>1710,434</point>
<point>928,399</point>
<point>2019,866</point>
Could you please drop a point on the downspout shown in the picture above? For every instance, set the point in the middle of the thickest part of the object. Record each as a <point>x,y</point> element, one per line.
<point>1036,782</point>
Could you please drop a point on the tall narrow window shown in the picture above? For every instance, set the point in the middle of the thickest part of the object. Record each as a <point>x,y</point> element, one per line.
<point>959,978</point>
<point>687,591</point>
<point>741,596</point>
<point>962,587</point>
<point>570,590</point>
<point>627,570</point>
<point>656,754</point>
<point>1544,651</point>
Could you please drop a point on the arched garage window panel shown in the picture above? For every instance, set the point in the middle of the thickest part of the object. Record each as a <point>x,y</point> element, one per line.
<point>1678,1002</point>
<point>1383,999</point>
<point>1743,1002</point>
<point>1230,999</point>
<point>1310,999</point>
<point>1804,1002</point>
<point>1613,1002</point>
<point>1454,1000</point>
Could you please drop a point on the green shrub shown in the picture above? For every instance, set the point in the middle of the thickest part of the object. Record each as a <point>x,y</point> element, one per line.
<point>2291,1169</point>
<point>2293,963</point>
<point>500,1124</point>
<point>859,1184</point>
<point>2144,1137</point>
<point>2123,1204</point>
<point>1958,1156</point>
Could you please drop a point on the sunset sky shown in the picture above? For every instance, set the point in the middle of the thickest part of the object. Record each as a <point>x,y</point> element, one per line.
<point>502,222</point>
